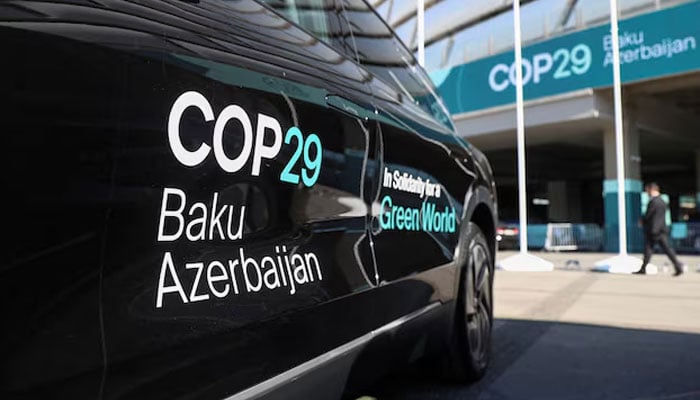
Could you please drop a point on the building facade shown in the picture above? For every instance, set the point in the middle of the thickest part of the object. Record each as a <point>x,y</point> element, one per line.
<point>569,114</point>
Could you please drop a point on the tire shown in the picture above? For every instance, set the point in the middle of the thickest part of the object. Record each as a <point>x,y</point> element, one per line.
<point>469,345</point>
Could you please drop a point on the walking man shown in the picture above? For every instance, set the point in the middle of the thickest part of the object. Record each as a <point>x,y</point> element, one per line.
<point>655,229</point>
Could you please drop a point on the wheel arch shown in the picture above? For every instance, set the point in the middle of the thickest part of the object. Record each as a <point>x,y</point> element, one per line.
<point>481,211</point>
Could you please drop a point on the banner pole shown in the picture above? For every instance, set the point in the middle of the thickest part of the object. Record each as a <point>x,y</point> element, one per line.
<point>622,263</point>
<point>619,129</point>
<point>520,118</point>
<point>420,19</point>
<point>521,261</point>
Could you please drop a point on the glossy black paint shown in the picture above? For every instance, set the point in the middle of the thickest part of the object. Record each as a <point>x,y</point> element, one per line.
<point>90,87</point>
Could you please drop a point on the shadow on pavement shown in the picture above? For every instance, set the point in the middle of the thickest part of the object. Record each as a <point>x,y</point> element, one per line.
<point>550,360</point>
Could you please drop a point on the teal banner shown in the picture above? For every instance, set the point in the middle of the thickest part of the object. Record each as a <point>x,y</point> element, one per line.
<point>652,45</point>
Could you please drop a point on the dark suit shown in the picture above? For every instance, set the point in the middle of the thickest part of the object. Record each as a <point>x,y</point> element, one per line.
<point>656,231</point>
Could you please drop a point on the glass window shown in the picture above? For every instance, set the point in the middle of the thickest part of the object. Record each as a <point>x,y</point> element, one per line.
<point>320,17</point>
<point>387,58</point>
<point>310,14</point>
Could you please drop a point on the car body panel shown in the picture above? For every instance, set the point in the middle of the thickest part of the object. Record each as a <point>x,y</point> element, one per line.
<point>127,262</point>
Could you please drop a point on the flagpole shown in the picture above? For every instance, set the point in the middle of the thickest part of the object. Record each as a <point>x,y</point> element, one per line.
<point>522,261</point>
<point>622,263</point>
<point>520,123</point>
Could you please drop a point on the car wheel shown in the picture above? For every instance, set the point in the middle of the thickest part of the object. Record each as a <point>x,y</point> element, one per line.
<point>469,347</point>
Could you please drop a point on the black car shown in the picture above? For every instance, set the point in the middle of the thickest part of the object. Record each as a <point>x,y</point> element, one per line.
<point>508,235</point>
<point>231,199</point>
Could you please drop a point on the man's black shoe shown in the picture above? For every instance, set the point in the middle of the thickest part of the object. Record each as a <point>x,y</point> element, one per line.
<point>678,272</point>
<point>640,272</point>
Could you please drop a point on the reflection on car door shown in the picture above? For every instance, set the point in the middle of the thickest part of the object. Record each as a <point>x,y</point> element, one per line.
<point>421,189</point>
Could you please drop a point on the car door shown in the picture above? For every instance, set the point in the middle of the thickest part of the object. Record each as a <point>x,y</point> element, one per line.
<point>58,157</point>
<point>235,248</point>
<point>422,188</point>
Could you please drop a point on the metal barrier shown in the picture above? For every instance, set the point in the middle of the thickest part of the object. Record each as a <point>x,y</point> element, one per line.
<point>686,237</point>
<point>571,237</point>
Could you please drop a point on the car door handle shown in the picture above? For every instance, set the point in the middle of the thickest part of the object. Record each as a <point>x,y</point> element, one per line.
<point>347,107</point>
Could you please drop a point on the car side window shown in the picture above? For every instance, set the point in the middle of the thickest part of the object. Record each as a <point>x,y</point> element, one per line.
<point>383,54</point>
<point>320,17</point>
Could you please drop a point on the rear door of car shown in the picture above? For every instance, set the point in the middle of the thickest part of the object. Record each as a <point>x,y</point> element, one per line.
<point>237,236</point>
<point>422,187</point>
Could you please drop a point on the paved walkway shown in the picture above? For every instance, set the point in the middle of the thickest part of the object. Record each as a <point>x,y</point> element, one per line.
<point>585,261</point>
<point>584,335</point>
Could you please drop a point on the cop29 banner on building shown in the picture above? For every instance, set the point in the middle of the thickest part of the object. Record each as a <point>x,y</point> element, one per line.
<point>651,45</point>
